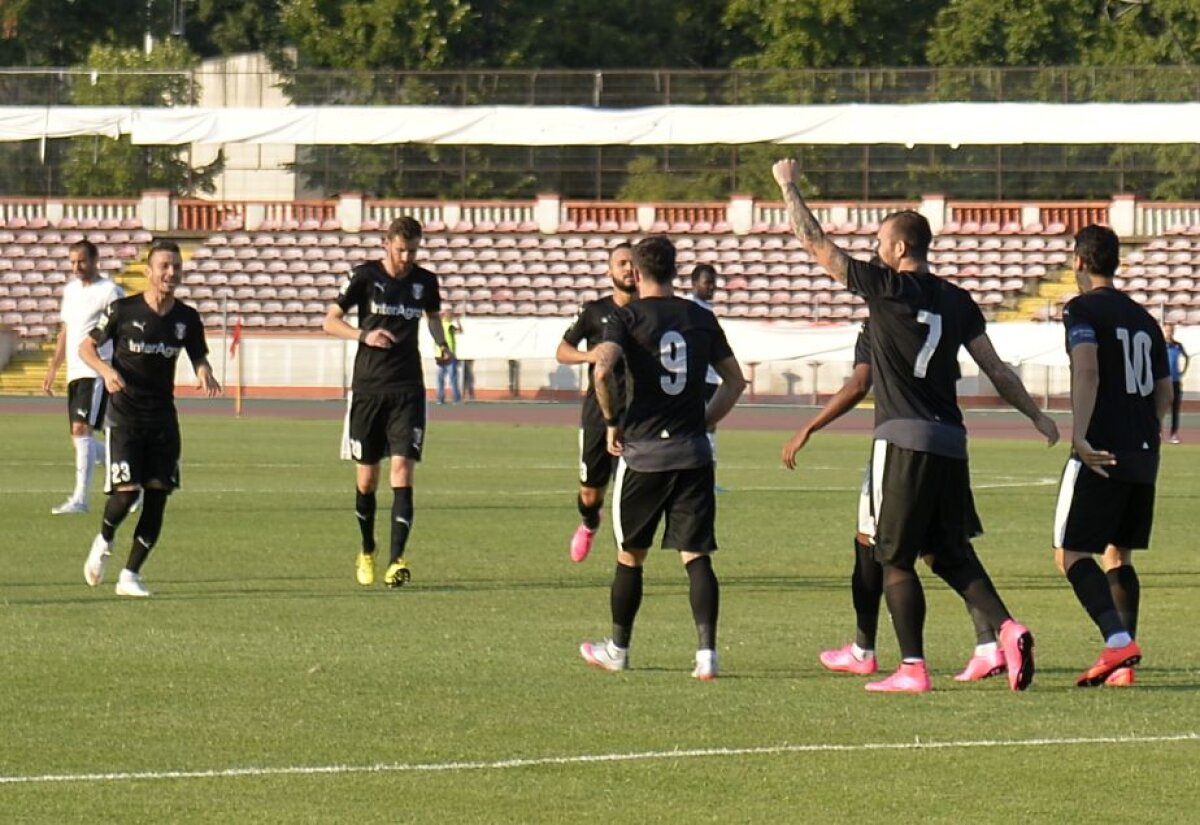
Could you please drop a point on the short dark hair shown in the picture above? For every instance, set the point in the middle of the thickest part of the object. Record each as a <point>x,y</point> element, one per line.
<point>912,228</point>
<point>703,271</point>
<point>618,247</point>
<point>654,257</point>
<point>163,245</point>
<point>406,227</point>
<point>87,247</point>
<point>1099,248</point>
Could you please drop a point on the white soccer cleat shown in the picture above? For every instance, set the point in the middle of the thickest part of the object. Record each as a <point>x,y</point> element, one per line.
<point>93,568</point>
<point>130,584</point>
<point>605,655</point>
<point>71,505</point>
<point>706,665</point>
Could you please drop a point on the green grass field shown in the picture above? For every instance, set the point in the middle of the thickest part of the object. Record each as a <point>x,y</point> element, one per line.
<point>261,684</point>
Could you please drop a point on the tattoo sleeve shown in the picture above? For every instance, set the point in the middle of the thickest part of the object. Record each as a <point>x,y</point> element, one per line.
<point>808,229</point>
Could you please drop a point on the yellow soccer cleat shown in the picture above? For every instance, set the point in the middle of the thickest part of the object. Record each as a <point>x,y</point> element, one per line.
<point>364,569</point>
<point>397,574</point>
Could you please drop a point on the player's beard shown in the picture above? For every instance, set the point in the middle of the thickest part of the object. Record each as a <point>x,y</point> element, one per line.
<point>629,288</point>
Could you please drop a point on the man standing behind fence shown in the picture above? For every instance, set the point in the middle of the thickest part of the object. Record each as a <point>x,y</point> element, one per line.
<point>386,414</point>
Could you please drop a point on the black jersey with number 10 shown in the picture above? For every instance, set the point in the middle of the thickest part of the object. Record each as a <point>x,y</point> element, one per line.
<point>1131,354</point>
<point>918,323</point>
<point>669,344</point>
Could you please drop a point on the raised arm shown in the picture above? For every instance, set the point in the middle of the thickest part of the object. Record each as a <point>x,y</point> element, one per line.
<point>806,226</point>
<point>1009,385</point>
<point>845,399</point>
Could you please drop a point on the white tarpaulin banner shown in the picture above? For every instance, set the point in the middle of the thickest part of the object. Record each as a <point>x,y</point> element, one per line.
<point>947,124</point>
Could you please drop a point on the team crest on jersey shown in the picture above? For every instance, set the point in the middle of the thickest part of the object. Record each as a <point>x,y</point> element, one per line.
<point>418,290</point>
<point>180,331</point>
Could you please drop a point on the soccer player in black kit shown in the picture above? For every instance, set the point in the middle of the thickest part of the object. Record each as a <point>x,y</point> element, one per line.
<point>387,399</point>
<point>595,463</point>
<point>920,483</point>
<point>148,331</point>
<point>666,465</point>
<point>1120,390</point>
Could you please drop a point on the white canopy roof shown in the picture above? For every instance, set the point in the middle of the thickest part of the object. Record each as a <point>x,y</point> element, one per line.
<point>947,124</point>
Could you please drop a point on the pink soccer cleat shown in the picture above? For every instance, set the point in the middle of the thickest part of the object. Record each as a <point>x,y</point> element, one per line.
<point>1121,677</point>
<point>581,543</point>
<point>843,660</point>
<point>910,677</point>
<point>983,667</point>
<point>1111,660</point>
<point>1017,643</point>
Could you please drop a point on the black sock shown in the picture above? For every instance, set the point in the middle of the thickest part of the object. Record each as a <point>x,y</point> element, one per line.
<point>590,515</point>
<point>906,603</point>
<point>866,589</point>
<point>1127,595</point>
<point>970,581</point>
<point>985,634</point>
<point>364,509</point>
<point>115,511</point>
<point>149,526</point>
<point>1091,588</point>
<point>402,519</point>
<point>705,595</point>
<point>625,599</point>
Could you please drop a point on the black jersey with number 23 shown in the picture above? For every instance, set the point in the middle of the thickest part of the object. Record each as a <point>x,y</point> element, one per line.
<point>589,326</point>
<point>669,344</point>
<point>146,346</point>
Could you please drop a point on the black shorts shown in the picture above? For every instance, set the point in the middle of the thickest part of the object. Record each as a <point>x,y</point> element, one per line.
<point>1094,512</point>
<point>866,518</point>
<point>921,504</point>
<point>596,463</point>
<point>685,497</point>
<point>391,424</point>
<point>141,455</point>
<point>87,400</point>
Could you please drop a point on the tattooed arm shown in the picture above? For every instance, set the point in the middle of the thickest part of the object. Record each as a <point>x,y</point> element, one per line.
<point>806,226</point>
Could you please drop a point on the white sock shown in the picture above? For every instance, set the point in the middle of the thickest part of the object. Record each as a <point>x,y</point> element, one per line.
<point>1118,640</point>
<point>986,649</point>
<point>862,654</point>
<point>97,450</point>
<point>83,466</point>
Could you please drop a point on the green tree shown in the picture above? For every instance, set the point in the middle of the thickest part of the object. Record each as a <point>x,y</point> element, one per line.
<point>806,34</point>
<point>60,32</point>
<point>96,166</point>
<point>222,27</point>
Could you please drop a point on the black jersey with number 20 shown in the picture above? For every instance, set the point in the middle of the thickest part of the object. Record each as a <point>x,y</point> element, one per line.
<point>669,344</point>
<point>395,305</point>
<point>918,323</point>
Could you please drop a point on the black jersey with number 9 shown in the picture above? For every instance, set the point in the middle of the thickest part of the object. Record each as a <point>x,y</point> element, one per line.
<point>669,344</point>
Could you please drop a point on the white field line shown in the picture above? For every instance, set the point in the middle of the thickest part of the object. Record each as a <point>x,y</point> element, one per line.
<point>587,759</point>
<point>490,492</point>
